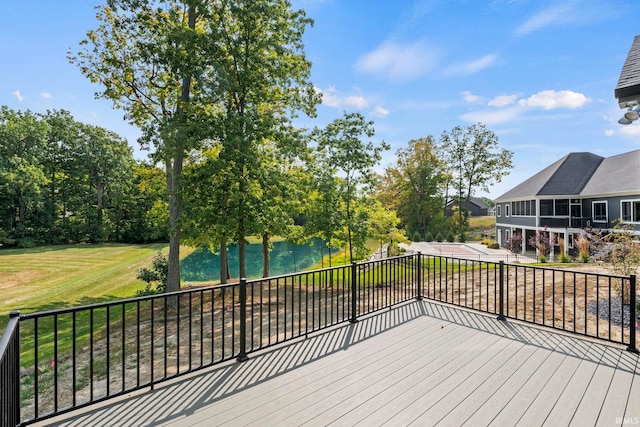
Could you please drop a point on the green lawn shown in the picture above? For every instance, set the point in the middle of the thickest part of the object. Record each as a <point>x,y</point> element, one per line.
<point>50,277</point>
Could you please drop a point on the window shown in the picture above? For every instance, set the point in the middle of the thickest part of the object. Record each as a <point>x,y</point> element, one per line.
<point>523,208</point>
<point>506,209</point>
<point>562,207</point>
<point>599,211</point>
<point>554,207</point>
<point>546,207</point>
<point>498,210</point>
<point>630,210</point>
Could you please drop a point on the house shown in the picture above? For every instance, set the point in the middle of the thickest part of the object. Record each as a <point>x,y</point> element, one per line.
<point>475,206</point>
<point>580,190</point>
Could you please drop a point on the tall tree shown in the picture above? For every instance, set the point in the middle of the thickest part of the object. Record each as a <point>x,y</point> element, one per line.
<point>340,144</point>
<point>475,161</point>
<point>414,186</point>
<point>150,56</point>
<point>22,179</point>
<point>264,81</point>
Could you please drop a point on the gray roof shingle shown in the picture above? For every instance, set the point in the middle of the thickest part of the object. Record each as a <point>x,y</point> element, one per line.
<point>628,90</point>
<point>584,175</point>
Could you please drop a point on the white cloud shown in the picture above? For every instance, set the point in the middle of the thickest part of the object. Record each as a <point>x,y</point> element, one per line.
<point>17,95</point>
<point>331,98</point>
<point>45,95</point>
<point>550,100</point>
<point>609,132</point>
<point>470,98</point>
<point>554,15</point>
<point>473,66</point>
<point>571,12</point>
<point>503,100</point>
<point>399,62</point>
<point>380,111</point>
<point>630,131</point>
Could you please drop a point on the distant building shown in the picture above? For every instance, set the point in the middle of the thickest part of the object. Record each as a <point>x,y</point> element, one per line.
<point>475,206</point>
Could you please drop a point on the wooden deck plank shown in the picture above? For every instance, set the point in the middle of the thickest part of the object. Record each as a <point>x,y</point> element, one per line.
<point>632,410</point>
<point>353,403</point>
<point>362,370</point>
<point>485,392</point>
<point>594,396</point>
<point>420,363</point>
<point>401,408</point>
<point>615,401</point>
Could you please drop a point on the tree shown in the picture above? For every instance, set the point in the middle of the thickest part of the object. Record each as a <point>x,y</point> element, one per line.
<point>265,81</point>
<point>261,82</point>
<point>514,244</point>
<point>413,186</point>
<point>340,144</point>
<point>150,57</point>
<point>475,162</point>
<point>543,242</point>
<point>22,179</point>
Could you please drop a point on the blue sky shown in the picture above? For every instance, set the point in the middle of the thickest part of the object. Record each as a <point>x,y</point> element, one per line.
<point>540,74</point>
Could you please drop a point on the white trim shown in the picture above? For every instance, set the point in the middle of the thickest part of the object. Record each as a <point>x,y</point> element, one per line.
<point>606,210</point>
<point>632,201</point>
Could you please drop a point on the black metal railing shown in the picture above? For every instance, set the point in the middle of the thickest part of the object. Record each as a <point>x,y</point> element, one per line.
<point>54,362</point>
<point>591,304</point>
<point>10,372</point>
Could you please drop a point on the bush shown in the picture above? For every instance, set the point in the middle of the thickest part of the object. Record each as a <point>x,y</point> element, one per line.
<point>416,237</point>
<point>542,259</point>
<point>493,245</point>
<point>564,258</point>
<point>486,241</point>
<point>439,237</point>
<point>451,237</point>
<point>428,237</point>
<point>156,278</point>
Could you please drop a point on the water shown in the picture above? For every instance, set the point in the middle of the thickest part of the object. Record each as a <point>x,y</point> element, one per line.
<point>203,266</point>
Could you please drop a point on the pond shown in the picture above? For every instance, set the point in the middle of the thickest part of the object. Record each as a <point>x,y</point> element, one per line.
<point>202,265</point>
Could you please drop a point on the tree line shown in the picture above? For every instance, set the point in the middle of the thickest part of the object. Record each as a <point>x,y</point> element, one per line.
<point>62,181</point>
<point>214,86</point>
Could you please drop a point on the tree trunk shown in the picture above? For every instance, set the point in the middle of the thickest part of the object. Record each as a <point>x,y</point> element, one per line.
<point>265,255</point>
<point>172,173</point>
<point>224,261</point>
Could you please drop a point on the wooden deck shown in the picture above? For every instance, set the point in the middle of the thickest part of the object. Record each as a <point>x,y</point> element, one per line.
<point>418,364</point>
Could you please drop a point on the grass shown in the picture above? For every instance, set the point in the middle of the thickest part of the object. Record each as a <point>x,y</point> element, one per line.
<point>52,277</point>
<point>481,226</point>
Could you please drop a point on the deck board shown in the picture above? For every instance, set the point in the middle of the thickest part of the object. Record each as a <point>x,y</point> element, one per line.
<point>420,363</point>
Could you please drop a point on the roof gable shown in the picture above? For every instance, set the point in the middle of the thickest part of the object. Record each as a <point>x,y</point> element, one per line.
<point>567,176</point>
<point>616,174</point>
<point>572,175</point>
<point>583,174</point>
<point>628,89</point>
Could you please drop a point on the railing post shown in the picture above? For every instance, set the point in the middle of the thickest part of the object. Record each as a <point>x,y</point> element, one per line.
<point>501,311</point>
<point>242,355</point>
<point>10,372</point>
<point>419,293</point>
<point>632,314</point>
<point>354,292</point>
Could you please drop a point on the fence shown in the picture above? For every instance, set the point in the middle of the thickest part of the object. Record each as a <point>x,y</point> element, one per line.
<point>54,362</point>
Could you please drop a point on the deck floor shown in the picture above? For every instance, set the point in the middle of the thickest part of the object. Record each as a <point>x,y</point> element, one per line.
<point>418,364</point>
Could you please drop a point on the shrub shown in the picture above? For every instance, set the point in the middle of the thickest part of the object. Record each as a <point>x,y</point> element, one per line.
<point>416,237</point>
<point>486,241</point>
<point>428,237</point>
<point>156,277</point>
<point>542,258</point>
<point>493,245</point>
<point>583,248</point>
<point>439,237</point>
<point>451,237</point>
